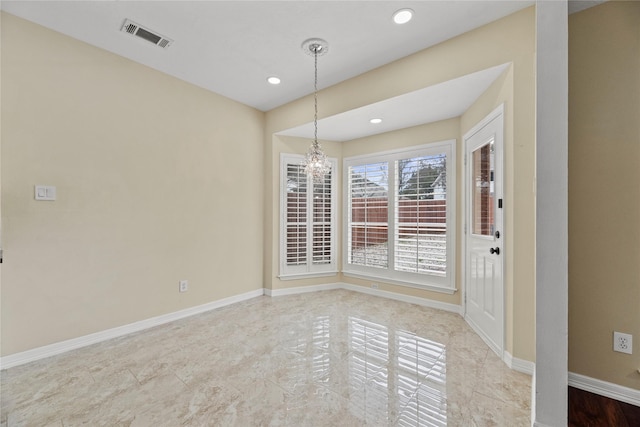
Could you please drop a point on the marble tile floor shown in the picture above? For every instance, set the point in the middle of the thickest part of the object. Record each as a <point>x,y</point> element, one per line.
<point>331,358</point>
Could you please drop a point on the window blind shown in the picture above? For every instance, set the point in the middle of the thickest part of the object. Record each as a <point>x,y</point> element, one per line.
<point>296,215</point>
<point>308,220</point>
<point>368,225</point>
<point>420,238</point>
<point>321,250</point>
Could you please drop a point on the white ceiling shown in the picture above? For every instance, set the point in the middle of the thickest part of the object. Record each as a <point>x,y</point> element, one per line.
<point>438,102</point>
<point>231,47</point>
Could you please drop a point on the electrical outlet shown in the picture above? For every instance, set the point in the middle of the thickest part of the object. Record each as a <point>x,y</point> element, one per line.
<point>183,286</point>
<point>374,286</point>
<point>622,342</point>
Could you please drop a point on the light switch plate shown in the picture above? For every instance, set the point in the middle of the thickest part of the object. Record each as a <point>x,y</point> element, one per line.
<point>45,192</point>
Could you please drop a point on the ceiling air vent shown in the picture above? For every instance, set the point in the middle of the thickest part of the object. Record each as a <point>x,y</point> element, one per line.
<point>144,33</point>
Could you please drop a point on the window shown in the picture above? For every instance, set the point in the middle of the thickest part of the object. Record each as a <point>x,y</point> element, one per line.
<point>399,219</point>
<point>308,221</point>
<point>369,212</point>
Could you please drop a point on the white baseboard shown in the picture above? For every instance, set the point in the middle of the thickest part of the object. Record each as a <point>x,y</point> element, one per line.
<point>370,291</point>
<point>520,365</point>
<point>453,308</point>
<point>21,358</point>
<point>301,290</point>
<point>478,330</point>
<point>604,388</point>
<point>592,385</point>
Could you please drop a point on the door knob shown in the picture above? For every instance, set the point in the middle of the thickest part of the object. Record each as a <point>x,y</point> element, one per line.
<point>495,251</point>
<point>497,234</point>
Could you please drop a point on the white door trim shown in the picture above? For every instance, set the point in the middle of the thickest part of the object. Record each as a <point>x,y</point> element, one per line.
<point>497,112</point>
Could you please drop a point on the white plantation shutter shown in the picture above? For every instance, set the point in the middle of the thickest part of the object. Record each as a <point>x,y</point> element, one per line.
<point>322,226</point>
<point>399,216</point>
<point>368,222</point>
<point>420,211</point>
<point>296,215</point>
<point>308,220</point>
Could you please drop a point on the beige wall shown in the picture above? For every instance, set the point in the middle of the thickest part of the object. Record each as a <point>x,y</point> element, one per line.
<point>604,190</point>
<point>149,191</point>
<point>518,203</point>
<point>509,40</point>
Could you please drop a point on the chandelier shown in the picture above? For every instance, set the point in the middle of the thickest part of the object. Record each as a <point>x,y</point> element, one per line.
<point>316,163</point>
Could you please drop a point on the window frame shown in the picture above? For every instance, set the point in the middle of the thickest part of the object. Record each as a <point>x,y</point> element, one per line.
<point>309,269</point>
<point>446,284</point>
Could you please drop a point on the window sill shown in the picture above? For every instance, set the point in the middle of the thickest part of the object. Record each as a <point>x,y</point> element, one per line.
<point>306,275</point>
<point>426,287</point>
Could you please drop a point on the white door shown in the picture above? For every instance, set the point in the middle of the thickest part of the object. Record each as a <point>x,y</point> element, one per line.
<point>484,237</point>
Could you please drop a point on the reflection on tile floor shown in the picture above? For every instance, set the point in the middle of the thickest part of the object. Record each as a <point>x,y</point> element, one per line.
<point>333,358</point>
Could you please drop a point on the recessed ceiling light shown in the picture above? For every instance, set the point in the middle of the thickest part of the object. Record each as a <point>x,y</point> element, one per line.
<point>274,80</point>
<point>402,16</point>
<point>375,121</point>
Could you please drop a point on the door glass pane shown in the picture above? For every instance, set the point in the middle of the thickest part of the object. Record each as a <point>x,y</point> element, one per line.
<point>482,191</point>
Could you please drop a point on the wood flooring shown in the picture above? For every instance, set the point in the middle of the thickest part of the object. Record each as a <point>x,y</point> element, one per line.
<point>591,410</point>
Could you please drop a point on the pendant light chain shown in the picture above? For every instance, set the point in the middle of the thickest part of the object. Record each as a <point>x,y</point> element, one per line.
<point>316,164</point>
<point>315,95</point>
